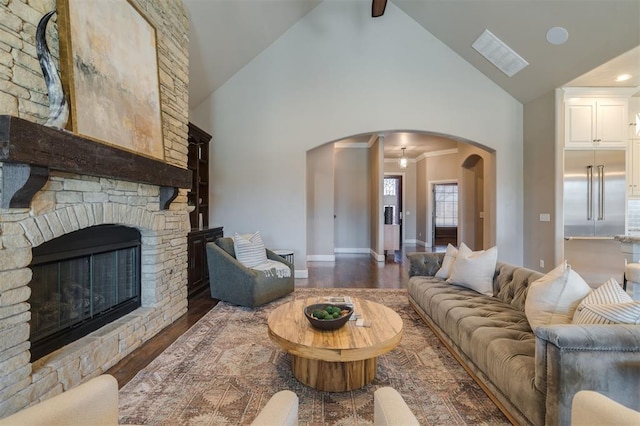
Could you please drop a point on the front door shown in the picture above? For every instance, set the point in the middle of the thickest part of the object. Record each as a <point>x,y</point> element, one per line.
<point>393,203</point>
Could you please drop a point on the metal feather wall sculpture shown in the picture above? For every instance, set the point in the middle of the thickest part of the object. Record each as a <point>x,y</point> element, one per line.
<point>58,106</point>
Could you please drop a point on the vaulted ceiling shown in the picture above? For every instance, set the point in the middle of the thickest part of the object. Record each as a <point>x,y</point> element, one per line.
<point>604,38</point>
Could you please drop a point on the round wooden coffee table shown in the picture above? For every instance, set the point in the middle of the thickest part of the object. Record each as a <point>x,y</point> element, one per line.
<point>338,360</point>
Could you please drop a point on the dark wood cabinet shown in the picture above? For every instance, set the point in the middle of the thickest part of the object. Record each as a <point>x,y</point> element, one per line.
<point>198,271</point>
<point>198,198</point>
<point>198,163</point>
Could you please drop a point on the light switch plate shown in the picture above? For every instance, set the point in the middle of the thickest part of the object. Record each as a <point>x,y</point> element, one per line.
<point>545,217</point>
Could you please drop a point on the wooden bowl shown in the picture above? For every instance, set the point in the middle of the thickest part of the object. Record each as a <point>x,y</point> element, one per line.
<point>327,324</point>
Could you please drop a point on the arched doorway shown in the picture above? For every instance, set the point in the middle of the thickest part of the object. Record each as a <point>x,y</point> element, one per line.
<point>345,199</point>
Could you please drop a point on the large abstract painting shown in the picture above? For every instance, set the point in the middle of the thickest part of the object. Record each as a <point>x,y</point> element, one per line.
<point>110,68</point>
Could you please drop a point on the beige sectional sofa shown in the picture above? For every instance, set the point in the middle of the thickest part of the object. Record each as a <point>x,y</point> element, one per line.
<point>532,377</point>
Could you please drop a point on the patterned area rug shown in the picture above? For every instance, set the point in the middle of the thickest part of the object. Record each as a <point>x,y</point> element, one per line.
<point>225,368</point>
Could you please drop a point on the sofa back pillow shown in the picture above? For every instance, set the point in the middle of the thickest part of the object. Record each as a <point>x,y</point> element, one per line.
<point>554,298</point>
<point>608,304</point>
<point>447,262</point>
<point>475,269</point>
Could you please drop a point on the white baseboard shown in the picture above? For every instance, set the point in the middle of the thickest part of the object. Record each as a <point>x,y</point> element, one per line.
<point>377,257</point>
<point>301,273</point>
<point>352,250</point>
<point>321,258</point>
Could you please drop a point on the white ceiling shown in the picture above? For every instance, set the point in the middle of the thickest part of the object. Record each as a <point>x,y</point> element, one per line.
<point>604,41</point>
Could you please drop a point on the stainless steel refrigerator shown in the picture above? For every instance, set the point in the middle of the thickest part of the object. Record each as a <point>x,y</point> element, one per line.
<point>594,212</point>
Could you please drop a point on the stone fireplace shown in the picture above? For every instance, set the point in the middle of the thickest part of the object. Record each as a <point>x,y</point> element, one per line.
<point>81,184</point>
<point>57,211</point>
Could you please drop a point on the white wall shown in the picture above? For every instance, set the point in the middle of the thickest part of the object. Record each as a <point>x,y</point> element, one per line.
<point>351,231</point>
<point>539,183</point>
<point>320,203</point>
<point>337,73</point>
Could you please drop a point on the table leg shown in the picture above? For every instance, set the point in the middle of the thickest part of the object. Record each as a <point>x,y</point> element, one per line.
<point>334,376</point>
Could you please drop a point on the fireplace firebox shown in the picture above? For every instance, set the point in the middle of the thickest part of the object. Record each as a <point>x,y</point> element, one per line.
<point>82,281</point>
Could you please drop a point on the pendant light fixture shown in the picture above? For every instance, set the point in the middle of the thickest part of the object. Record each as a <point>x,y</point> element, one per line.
<point>403,160</point>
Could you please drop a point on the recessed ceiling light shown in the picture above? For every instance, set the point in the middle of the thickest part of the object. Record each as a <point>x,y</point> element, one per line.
<point>499,54</point>
<point>623,77</point>
<point>557,35</point>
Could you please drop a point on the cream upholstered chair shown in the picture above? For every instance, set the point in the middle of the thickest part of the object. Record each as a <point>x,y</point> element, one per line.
<point>591,408</point>
<point>91,403</point>
<point>389,409</point>
<point>95,403</point>
<point>281,410</point>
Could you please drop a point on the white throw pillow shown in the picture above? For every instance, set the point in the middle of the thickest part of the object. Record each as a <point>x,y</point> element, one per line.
<point>608,304</point>
<point>554,298</point>
<point>447,262</point>
<point>250,250</point>
<point>475,269</point>
<point>613,313</point>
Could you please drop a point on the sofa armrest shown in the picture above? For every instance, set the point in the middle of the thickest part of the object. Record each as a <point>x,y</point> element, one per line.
<point>389,408</point>
<point>91,403</point>
<point>593,409</point>
<point>603,358</point>
<point>273,256</point>
<point>281,409</point>
<point>224,264</point>
<point>424,264</point>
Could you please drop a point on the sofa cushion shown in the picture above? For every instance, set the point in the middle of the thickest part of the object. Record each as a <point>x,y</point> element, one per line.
<point>506,354</point>
<point>609,292</point>
<point>475,269</point>
<point>608,304</point>
<point>249,249</point>
<point>618,313</point>
<point>554,298</point>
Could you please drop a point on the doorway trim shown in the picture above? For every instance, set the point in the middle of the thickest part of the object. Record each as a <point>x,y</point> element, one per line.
<point>430,184</point>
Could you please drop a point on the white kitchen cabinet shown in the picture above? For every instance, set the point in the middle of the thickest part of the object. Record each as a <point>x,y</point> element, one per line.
<point>633,168</point>
<point>634,118</point>
<point>596,123</point>
<point>633,151</point>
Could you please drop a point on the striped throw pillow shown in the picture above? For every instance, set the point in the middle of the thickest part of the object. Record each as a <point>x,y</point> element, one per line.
<point>608,304</point>
<point>250,250</point>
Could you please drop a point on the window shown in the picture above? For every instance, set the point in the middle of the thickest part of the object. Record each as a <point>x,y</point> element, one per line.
<point>446,204</point>
<point>390,186</point>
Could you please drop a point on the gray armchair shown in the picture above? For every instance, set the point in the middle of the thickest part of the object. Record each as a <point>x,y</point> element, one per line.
<point>233,282</point>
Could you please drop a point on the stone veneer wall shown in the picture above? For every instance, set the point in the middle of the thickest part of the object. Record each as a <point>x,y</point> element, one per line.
<point>70,202</point>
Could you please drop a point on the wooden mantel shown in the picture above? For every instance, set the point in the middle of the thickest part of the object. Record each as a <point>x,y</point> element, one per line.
<point>29,150</point>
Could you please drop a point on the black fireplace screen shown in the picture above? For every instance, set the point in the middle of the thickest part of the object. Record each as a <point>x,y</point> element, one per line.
<point>82,281</point>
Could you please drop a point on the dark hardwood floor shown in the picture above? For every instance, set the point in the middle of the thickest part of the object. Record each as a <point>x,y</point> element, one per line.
<point>348,271</point>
